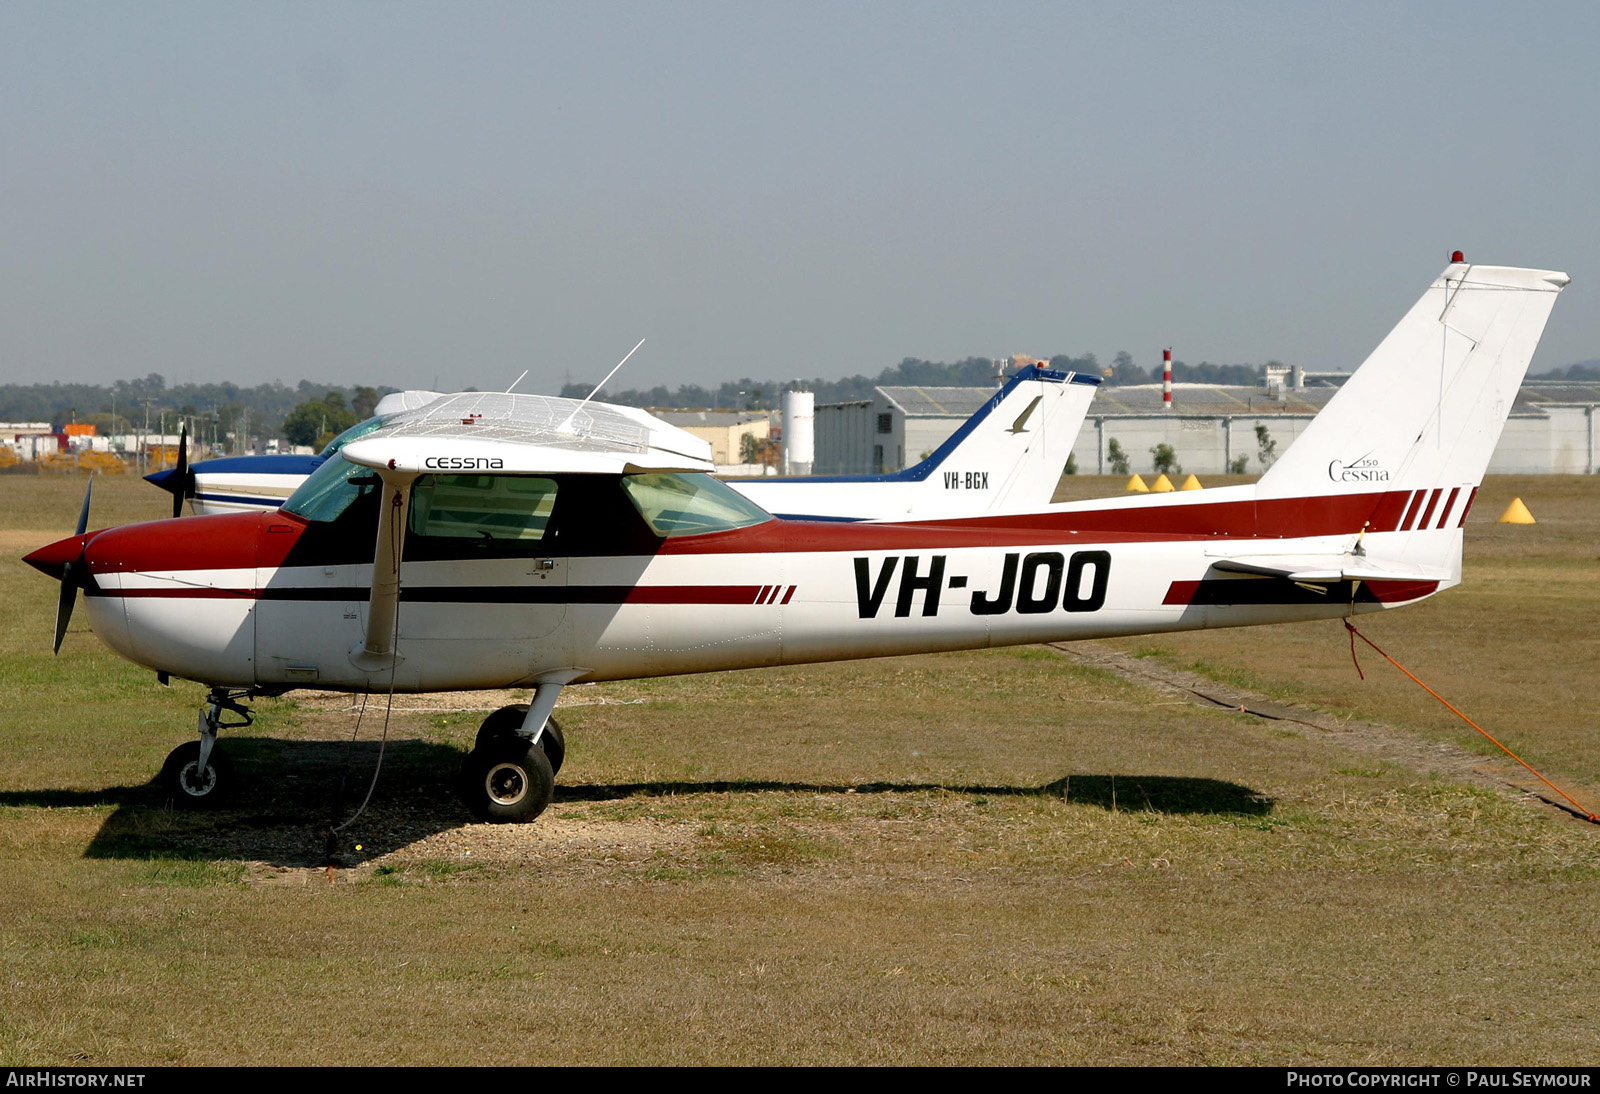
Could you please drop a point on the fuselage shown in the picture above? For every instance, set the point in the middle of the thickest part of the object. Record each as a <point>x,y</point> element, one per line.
<point>273,599</point>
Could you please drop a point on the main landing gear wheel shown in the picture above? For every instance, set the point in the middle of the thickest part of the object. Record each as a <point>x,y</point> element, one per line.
<point>189,786</point>
<point>507,720</point>
<point>507,779</point>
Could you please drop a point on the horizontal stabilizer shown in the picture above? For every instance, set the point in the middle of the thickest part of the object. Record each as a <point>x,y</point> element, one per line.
<point>1328,568</point>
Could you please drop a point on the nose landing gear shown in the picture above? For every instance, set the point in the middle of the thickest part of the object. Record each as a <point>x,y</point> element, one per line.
<point>199,775</point>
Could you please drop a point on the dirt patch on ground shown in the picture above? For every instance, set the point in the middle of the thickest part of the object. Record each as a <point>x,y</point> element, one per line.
<point>1383,742</point>
<point>571,845</point>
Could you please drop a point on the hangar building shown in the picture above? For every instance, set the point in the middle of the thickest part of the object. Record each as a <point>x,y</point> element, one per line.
<point>1211,428</point>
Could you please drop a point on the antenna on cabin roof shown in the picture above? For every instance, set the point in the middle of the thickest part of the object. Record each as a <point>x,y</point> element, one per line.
<point>562,428</point>
<point>517,381</point>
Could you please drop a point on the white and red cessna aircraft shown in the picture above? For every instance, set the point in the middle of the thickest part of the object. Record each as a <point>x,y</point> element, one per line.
<point>1008,455</point>
<point>534,542</point>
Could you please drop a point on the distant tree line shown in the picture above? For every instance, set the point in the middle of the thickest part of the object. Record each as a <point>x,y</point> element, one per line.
<point>214,410</point>
<point>1580,372</point>
<point>310,413</point>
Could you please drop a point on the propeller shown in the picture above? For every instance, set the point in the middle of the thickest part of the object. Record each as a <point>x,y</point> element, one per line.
<point>72,573</point>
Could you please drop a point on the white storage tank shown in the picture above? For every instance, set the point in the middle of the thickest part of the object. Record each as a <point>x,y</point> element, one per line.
<point>799,432</point>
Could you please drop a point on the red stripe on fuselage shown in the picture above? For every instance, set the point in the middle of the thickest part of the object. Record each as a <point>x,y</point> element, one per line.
<point>689,594</point>
<point>1270,518</point>
<point>243,540</point>
<point>577,594</point>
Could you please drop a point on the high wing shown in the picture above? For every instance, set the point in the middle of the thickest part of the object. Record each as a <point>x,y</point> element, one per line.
<point>527,434</point>
<point>397,401</point>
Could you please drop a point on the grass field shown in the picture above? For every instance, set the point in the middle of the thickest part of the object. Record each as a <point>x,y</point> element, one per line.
<point>995,857</point>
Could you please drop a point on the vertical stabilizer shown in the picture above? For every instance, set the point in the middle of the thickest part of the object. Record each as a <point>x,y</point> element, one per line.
<point>1425,410</point>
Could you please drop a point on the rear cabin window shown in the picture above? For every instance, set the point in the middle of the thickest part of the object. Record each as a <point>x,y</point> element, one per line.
<point>690,505</point>
<point>496,508</point>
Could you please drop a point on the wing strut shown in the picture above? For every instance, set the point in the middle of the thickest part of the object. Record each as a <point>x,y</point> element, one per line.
<point>377,650</point>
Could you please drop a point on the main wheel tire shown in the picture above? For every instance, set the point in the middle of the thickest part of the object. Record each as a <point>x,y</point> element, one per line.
<point>506,721</point>
<point>507,780</point>
<point>191,788</point>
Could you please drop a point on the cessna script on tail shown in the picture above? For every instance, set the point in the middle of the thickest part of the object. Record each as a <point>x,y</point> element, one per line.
<point>1009,454</point>
<point>601,550</point>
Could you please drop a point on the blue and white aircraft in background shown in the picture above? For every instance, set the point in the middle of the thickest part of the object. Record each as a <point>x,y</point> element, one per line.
<point>1008,456</point>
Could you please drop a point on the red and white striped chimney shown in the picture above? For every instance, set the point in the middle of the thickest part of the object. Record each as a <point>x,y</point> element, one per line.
<point>1166,379</point>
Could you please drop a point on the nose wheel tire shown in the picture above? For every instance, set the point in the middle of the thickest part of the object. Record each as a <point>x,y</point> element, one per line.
<point>507,720</point>
<point>190,787</point>
<point>507,780</point>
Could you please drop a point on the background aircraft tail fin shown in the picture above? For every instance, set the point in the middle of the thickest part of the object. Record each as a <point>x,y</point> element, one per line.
<point>1008,456</point>
<point>1015,447</point>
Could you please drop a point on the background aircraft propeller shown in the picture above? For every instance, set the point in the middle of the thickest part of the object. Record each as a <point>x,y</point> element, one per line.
<point>177,481</point>
<point>184,476</point>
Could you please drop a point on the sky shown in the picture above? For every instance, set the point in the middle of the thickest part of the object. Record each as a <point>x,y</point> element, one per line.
<point>443,195</point>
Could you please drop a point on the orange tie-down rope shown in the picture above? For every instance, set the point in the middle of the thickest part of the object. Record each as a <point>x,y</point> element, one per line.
<point>1354,634</point>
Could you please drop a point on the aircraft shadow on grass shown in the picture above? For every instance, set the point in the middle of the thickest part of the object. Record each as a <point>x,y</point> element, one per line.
<point>290,790</point>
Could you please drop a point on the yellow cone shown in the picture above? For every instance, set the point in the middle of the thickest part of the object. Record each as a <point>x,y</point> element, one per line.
<point>1191,483</point>
<point>1162,485</point>
<point>1517,513</point>
<point>1136,484</point>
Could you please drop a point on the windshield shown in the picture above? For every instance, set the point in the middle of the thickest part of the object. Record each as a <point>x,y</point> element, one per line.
<point>690,505</point>
<point>332,489</point>
<point>360,429</point>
